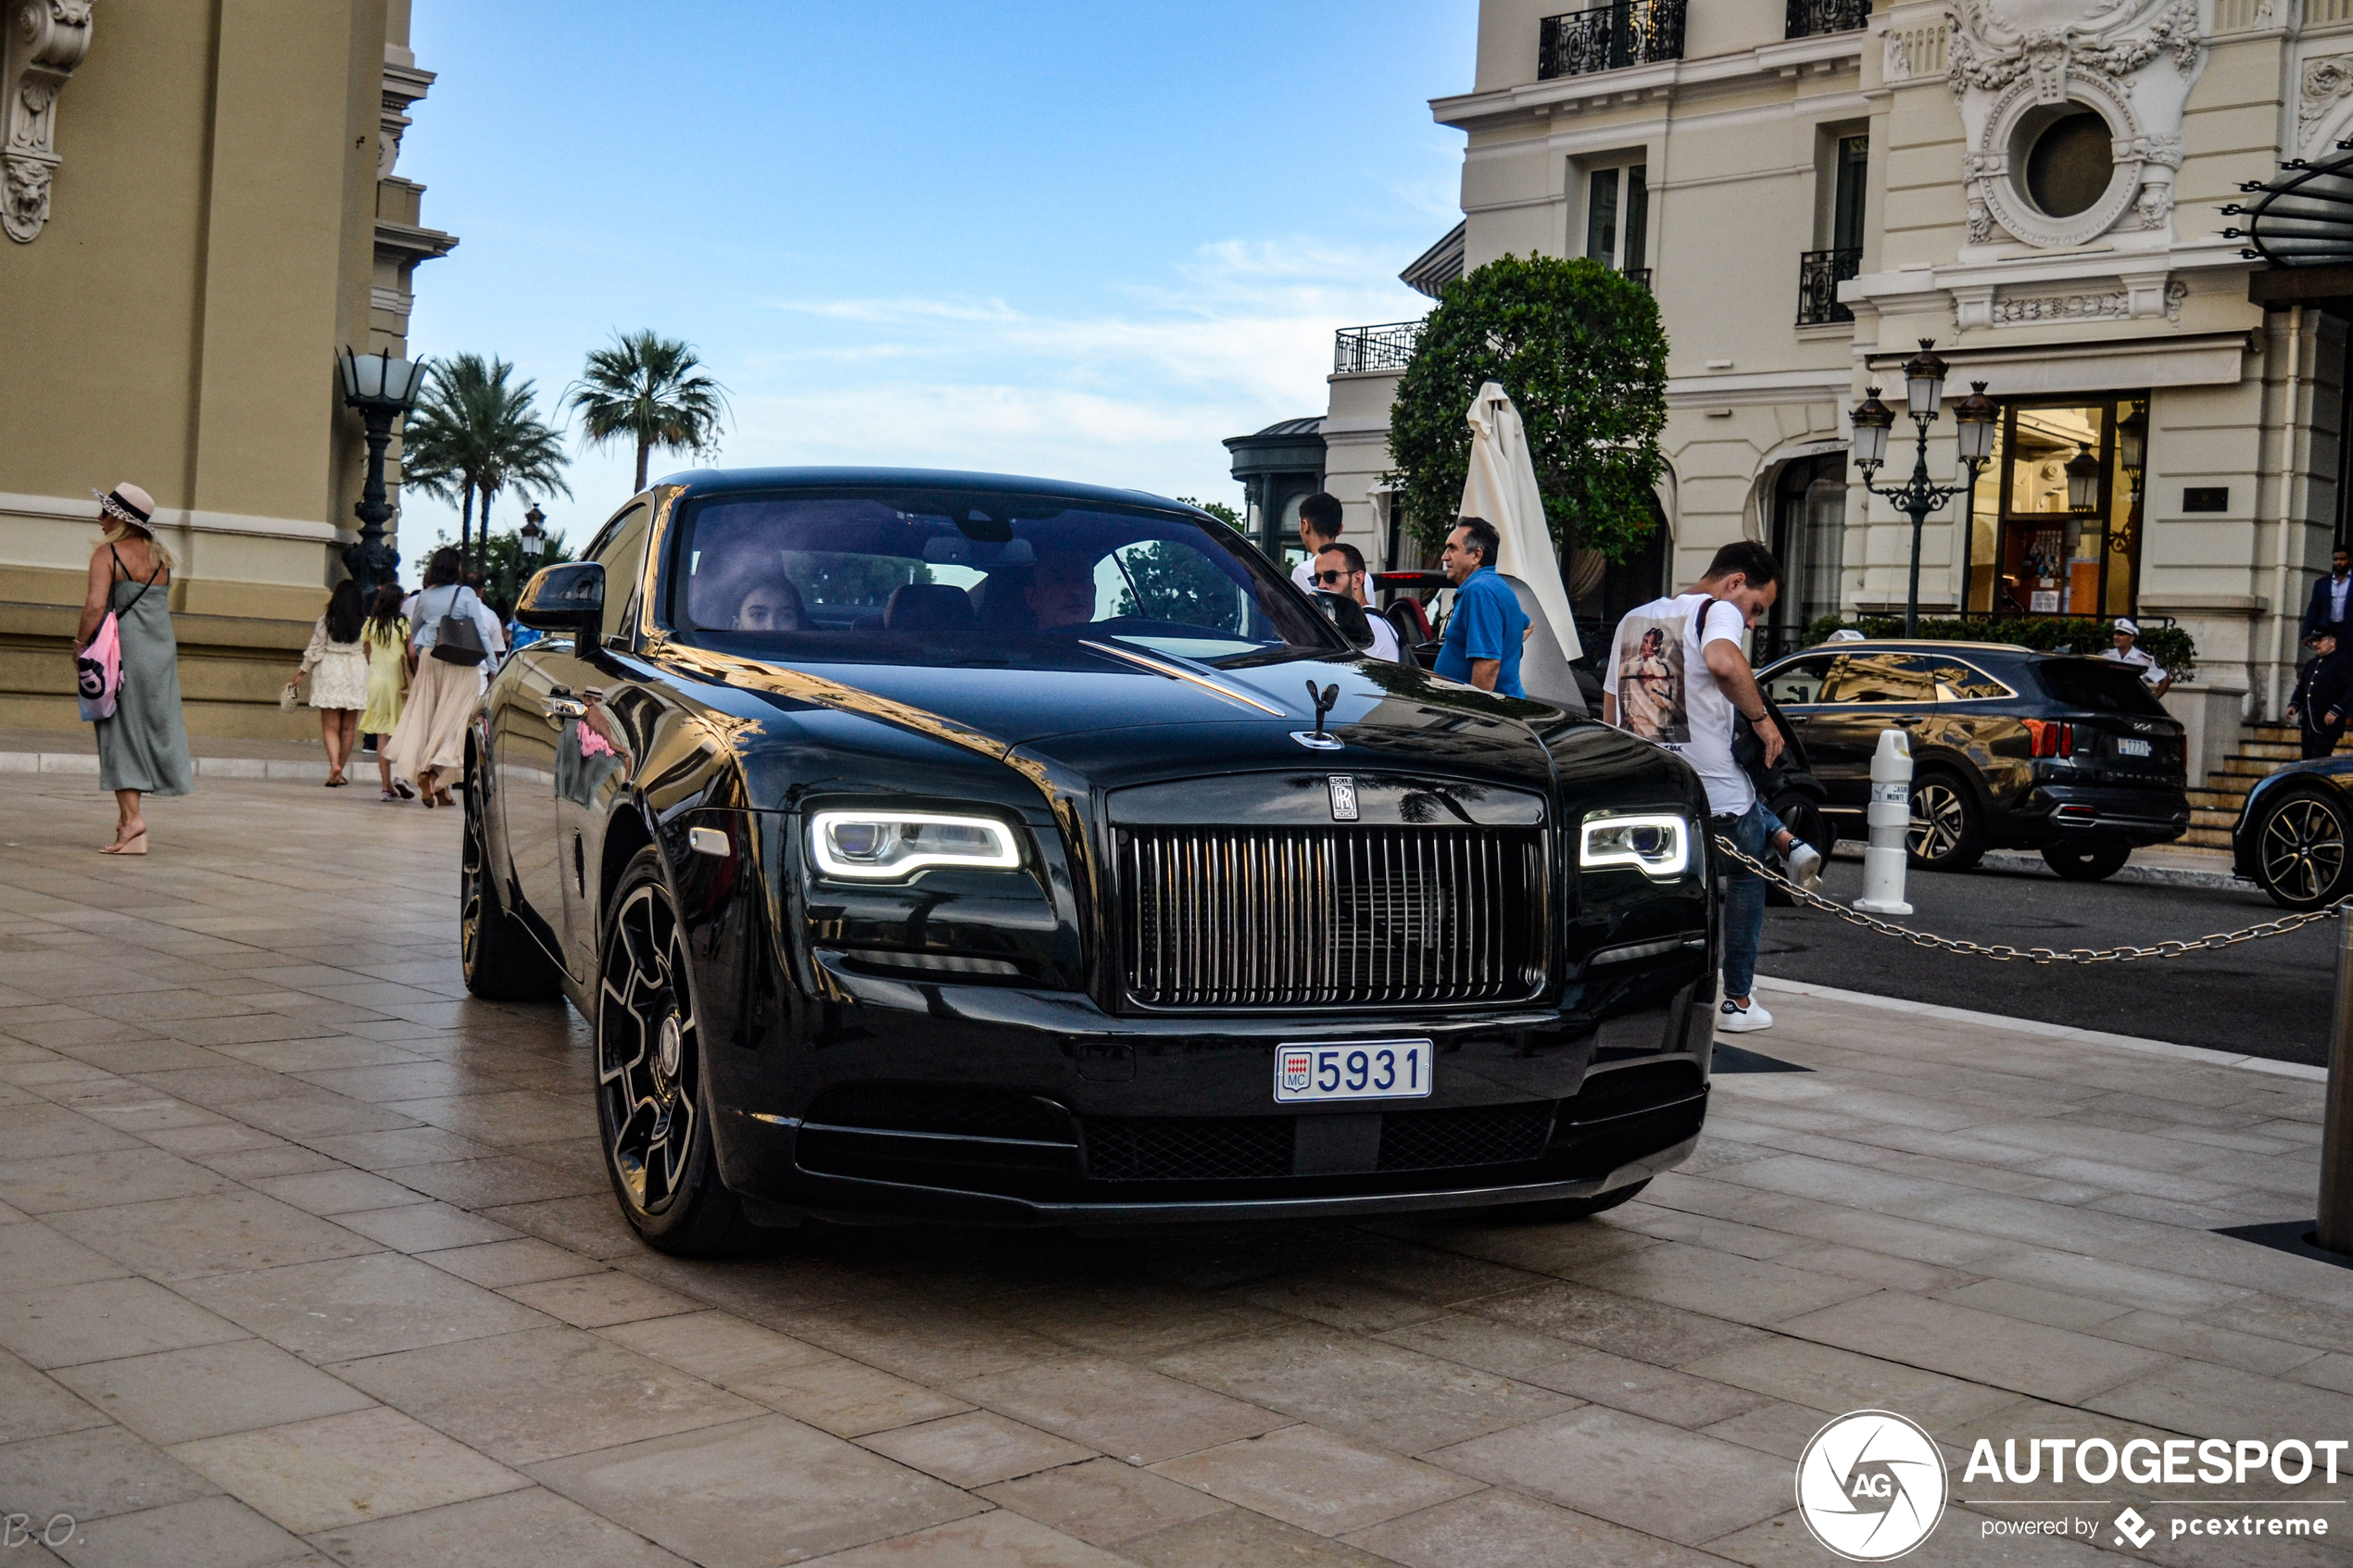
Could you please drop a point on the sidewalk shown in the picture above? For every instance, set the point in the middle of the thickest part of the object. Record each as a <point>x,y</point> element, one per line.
<point>304,1255</point>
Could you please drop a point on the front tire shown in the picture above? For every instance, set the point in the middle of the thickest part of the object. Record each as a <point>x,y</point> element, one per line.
<point>2301,850</point>
<point>2092,861</point>
<point>653,1100</point>
<point>500,962</point>
<point>1948,829</point>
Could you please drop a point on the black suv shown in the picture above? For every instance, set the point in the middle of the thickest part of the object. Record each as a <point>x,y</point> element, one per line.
<point>2010,748</point>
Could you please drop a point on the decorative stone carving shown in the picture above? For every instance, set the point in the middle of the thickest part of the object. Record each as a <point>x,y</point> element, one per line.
<point>2135,299</point>
<point>44,41</point>
<point>2326,83</point>
<point>2132,62</point>
<point>1897,66</point>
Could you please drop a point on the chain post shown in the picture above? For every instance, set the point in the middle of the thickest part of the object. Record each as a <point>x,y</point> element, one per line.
<point>2334,1232</point>
<point>1890,819</point>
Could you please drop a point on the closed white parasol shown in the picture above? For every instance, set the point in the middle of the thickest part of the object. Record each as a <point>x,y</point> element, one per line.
<point>1502,488</point>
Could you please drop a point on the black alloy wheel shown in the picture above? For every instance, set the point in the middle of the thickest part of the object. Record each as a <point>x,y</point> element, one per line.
<point>500,962</point>
<point>653,1108</point>
<point>1948,830</point>
<point>2089,860</point>
<point>2301,850</point>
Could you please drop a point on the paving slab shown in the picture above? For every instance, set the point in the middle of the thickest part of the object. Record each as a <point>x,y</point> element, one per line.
<point>303,1257</point>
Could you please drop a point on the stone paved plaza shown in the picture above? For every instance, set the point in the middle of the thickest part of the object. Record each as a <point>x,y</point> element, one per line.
<point>307,1257</point>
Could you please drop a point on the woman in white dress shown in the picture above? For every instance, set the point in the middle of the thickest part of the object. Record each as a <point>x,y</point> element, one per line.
<point>337,665</point>
<point>428,744</point>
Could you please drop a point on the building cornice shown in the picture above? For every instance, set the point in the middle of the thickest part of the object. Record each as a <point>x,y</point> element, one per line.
<point>1633,83</point>
<point>65,508</point>
<point>1832,382</point>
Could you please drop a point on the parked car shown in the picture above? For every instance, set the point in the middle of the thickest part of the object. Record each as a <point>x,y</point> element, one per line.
<point>1004,850</point>
<point>2010,748</point>
<point>2290,837</point>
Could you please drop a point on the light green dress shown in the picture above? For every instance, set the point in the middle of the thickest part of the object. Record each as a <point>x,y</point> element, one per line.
<point>144,745</point>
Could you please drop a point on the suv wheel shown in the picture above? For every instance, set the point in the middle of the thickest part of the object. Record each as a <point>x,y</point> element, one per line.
<point>2087,860</point>
<point>653,1104</point>
<point>2300,856</point>
<point>1948,830</point>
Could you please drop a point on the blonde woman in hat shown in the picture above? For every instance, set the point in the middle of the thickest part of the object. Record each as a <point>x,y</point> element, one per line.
<point>143,750</point>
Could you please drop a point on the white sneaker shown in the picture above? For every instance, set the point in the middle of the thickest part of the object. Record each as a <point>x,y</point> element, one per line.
<point>1805,864</point>
<point>1734,1019</point>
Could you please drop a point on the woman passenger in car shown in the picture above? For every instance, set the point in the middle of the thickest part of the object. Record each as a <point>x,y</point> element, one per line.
<point>770,605</point>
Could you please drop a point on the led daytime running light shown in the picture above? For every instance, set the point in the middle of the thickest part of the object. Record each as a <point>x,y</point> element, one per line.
<point>895,846</point>
<point>1655,845</point>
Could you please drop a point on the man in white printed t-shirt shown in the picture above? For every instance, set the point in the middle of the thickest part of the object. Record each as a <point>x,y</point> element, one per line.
<point>1676,676</point>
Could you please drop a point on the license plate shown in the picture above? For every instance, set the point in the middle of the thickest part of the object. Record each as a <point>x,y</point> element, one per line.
<point>2127,746</point>
<point>1358,1070</point>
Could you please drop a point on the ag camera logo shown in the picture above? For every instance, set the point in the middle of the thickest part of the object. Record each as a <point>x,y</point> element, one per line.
<point>1870,1486</point>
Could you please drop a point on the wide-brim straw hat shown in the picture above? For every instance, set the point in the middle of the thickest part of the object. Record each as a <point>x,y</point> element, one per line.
<point>127,503</point>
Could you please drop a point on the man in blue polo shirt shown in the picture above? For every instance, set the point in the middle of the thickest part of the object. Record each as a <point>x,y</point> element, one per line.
<point>1483,633</point>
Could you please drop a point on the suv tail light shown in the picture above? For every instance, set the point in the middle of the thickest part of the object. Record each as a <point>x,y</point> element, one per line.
<point>2049,737</point>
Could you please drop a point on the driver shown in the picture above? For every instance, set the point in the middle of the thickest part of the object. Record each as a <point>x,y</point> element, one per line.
<point>1061,591</point>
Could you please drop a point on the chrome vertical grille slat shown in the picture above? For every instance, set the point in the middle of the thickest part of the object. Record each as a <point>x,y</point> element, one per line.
<point>1249,917</point>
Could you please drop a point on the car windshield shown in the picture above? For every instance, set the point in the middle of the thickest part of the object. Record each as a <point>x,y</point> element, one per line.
<point>976,577</point>
<point>2101,685</point>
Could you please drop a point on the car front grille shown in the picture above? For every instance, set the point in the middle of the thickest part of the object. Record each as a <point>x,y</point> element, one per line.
<point>1187,1148</point>
<point>1287,917</point>
<point>1431,1140</point>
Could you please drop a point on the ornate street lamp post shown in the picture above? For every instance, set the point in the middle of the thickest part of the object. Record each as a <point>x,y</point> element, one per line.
<point>534,537</point>
<point>381,389</point>
<point>1973,417</point>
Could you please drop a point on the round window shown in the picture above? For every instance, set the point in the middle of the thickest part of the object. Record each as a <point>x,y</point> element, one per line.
<point>2068,163</point>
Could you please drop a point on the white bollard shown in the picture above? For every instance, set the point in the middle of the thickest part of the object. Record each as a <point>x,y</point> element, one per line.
<point>1890,816</point>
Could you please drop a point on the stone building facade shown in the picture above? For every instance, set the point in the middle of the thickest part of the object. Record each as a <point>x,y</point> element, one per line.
<point>1811,186</point>
<point>201,208</point>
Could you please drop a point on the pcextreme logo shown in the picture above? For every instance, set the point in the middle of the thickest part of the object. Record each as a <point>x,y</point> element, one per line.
<point>1870,1486</point>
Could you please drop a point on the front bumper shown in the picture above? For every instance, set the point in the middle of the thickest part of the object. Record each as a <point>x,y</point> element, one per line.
<point>992,1105</point>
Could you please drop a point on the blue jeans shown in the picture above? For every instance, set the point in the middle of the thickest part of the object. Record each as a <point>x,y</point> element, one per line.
<point>1753,830</point>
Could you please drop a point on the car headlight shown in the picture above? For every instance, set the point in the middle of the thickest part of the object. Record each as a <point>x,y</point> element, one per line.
<point>883,845</point>
<point>1656,844</point>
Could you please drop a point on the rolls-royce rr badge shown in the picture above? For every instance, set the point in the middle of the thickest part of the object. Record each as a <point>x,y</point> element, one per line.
<point>1343,789</point>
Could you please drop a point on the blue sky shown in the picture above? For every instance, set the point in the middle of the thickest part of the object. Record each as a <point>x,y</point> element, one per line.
<point>1079,240</point>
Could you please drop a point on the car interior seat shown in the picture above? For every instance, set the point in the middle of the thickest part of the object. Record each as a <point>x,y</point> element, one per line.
<point>929,607</point>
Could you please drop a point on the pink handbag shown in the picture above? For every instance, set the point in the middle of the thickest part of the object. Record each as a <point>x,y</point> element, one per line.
<point>99,669</point>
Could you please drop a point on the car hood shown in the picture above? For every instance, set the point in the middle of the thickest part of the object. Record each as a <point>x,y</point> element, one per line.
<point>1117,690</point>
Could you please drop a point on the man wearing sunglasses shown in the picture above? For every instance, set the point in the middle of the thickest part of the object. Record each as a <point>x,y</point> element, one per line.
<point>1340,569</point>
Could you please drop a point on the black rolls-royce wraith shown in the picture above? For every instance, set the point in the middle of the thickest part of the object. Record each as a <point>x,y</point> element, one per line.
<point>975,847</point>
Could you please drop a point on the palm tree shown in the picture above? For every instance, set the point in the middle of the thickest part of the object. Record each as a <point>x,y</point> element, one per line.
<point>649,389</point>
<point>476,433</point>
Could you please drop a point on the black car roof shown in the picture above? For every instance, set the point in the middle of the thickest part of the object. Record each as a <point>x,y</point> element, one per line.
<point>711,481</point>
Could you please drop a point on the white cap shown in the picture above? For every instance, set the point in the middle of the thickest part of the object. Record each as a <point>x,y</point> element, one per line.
<point>2124,624</point>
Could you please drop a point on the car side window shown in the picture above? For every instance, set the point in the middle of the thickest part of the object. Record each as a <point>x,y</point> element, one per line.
<point>1959,682</point>
<point>620,548</point>
<point>1879,677</point>
<point>1798,682</point>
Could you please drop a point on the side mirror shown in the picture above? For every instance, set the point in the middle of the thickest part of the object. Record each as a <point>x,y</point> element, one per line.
<point>568,597</point>
<point>1347,615</point>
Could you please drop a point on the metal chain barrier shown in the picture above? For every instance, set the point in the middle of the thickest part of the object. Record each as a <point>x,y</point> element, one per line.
<point>2002,952</point>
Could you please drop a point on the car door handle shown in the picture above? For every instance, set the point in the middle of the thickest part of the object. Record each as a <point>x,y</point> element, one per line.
<point>559,709</point>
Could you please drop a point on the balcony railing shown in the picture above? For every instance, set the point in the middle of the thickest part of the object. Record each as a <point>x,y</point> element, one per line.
<point>1818,274</point>
<point>1811,19</point>
<point>1632,32</point>
<point>1356,350</point>
<point>1640,275</point>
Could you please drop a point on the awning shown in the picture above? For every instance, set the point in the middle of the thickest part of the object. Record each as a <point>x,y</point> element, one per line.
<point>2302,217</point>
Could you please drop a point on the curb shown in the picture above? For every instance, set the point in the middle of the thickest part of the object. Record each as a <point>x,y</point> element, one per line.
<point>2157,876</point>
<point>2049,1031</point>
<point>84,764</point>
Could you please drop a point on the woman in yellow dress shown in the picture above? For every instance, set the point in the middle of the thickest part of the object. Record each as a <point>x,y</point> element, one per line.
<point>384,639</point>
